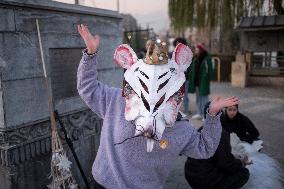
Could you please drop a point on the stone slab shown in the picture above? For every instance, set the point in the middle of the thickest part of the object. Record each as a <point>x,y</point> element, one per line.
<point>21,56</point>
<point>56,22</point>
<point>61,7</point>
<point>17,65</point>
<point>24,101</point>
<point>7,20</point>
<point>239,75</point>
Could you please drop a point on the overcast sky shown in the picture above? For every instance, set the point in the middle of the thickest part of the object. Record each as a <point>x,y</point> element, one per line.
<point>152,12</point>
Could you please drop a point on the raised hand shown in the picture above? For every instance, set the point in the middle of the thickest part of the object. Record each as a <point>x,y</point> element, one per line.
<point>218,104</point>
<point>92,42</point>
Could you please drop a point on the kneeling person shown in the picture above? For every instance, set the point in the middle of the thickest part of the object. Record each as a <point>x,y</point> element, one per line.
<point>221,171</point>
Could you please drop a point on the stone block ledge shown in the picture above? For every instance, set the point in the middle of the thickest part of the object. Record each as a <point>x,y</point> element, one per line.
<point>62,7</point>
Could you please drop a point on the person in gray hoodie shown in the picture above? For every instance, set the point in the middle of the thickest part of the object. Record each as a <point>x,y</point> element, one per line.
<point>134,152</point>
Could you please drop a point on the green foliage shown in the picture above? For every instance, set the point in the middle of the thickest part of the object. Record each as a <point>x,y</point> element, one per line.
<point>228,21</point>
<point>213,13</point>
<point>201,13</point>
<point>278,7</point>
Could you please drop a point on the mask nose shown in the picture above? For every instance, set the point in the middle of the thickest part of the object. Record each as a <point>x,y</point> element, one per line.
<point>152,102</point>
<point>148,131</point>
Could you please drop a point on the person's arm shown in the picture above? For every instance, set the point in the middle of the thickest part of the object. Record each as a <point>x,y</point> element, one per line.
<point>202,145</point>
<point>95,94</point>
<point>251,131</point>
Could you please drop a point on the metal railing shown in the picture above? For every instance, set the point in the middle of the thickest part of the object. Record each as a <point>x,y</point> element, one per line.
<point>267,64</point>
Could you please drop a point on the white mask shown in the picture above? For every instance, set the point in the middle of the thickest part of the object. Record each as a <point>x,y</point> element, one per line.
<point>153,92</point>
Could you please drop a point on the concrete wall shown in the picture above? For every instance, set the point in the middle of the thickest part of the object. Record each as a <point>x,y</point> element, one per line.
<point>22,69</point>
<point>24,125</point>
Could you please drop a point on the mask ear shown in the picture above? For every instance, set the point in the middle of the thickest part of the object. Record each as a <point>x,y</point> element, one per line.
<point>182,55</point>
<point>124,56</point>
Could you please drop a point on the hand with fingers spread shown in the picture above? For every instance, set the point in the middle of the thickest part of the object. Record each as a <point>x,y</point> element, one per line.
<point>218,104</point>
<point>92,42</point>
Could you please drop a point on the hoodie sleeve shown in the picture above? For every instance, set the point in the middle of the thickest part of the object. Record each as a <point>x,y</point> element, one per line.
<point>202,145</point>
<point>251,131</point>
<point>95,94</point>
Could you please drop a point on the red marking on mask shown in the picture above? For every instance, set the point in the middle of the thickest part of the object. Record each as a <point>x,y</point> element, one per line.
<point>182,89</point>
<point>127,108</point>
<point>123,88</point>
<point>123,57</point>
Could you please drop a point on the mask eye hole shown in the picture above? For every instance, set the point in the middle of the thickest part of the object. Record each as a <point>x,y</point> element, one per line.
<point>162,75</point>
<point>145,75</point>
<point>144,85</point>
<point>163,84</point>
<point>158,104</point>
<point>127,89</point>
<point>178,96</point>
<point>146,104</point>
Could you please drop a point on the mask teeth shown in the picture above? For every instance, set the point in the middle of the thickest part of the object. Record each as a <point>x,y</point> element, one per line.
<point>150,145</point>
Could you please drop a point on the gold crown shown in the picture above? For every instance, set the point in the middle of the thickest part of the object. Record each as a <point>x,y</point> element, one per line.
<point>159,53</point>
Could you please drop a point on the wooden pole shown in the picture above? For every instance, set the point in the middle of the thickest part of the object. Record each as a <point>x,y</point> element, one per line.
<point>217,59</point>
<point>57,148</point>
<point>117,5</point>
<point>49,92</point>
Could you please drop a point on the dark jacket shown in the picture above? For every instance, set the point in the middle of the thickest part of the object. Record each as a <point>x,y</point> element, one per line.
<point>241,125</point>
<point>205,74</point>
<point>207,173</point>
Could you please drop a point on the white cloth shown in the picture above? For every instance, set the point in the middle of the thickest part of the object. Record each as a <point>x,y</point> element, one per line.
<point>265,172</point>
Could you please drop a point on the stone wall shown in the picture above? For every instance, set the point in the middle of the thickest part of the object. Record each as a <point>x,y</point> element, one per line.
<point>24,119</point>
